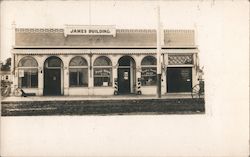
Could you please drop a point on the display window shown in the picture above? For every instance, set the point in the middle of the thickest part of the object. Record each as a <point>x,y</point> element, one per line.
<point>78,72</point>
<point>148,71</point>
<point>102,72</point>
<point>28,73</point>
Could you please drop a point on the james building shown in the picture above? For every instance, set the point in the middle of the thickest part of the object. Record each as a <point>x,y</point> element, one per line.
<point>102,60</point>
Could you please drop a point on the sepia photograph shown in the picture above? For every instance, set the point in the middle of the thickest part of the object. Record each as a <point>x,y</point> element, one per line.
<point>124,78</point>
<point>108,64</point>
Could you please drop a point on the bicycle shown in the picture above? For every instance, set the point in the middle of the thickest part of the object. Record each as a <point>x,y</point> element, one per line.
<point>198,90</point>
<point>18,92</point>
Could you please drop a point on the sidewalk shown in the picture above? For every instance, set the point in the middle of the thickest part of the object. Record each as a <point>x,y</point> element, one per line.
<point>100,105</point>
<point>96,97</point>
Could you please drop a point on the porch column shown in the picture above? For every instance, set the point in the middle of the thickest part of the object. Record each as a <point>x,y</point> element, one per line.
<point>164,74</point>
<point>66,80</point>
<point>15,72</point>
<point>40,60</point>
<point>166,70</point>
<point>40,80</point>
<point>65,75</point>
<point>138,60</point>
<point>91,58</point>
<point>115,64</point>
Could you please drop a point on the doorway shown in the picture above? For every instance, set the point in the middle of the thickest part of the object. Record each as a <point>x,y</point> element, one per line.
<point>179,80</point>
<point>52,76</point>
<point>126,75</point>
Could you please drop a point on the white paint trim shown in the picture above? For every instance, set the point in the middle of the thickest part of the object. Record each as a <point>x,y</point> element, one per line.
<point>100,51</point>
<point>183,65</point>
<point>152,46</point>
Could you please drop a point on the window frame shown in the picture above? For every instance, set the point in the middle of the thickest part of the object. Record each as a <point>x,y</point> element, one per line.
<point>80,68</point>
<point>148,66</point>
<point>28,69</point>
<point>110,67</point>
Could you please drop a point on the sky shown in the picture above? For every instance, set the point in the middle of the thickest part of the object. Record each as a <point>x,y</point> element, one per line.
<point>122,14</point>
<point>222,37</point>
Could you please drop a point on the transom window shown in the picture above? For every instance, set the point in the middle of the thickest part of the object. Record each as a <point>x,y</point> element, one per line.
<point>179,59</point>
<point>28,73</point>
<point>148,71</point>
<point>102,61</point>
<point>78,61</point>
<point>78,72</point>
<point>53,62</point>
<point>148,60</point>
<point>102,71</point>
<point>27,62</point>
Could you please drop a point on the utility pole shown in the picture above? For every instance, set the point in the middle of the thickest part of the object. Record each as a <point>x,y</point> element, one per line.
<point>158,53</point>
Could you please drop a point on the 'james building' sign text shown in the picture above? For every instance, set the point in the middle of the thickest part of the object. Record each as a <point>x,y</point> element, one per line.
<point>89,30</point>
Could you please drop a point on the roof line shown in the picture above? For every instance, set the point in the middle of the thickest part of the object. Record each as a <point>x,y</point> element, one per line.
<point>100,47</point>
<point>61,30</point>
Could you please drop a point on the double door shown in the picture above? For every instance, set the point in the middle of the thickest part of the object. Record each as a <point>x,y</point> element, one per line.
<point>179,80</point>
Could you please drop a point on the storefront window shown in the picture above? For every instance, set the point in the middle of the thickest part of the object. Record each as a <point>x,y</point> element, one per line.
<point>148,71</point>
<point>28,73</point>
<point>78,72</point>
<point>102,71</point>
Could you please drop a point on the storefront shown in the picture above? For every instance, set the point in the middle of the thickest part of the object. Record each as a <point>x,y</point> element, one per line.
<point>102,60</point>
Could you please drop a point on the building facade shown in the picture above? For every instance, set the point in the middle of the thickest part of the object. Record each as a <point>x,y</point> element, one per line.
<point>102,60</point>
